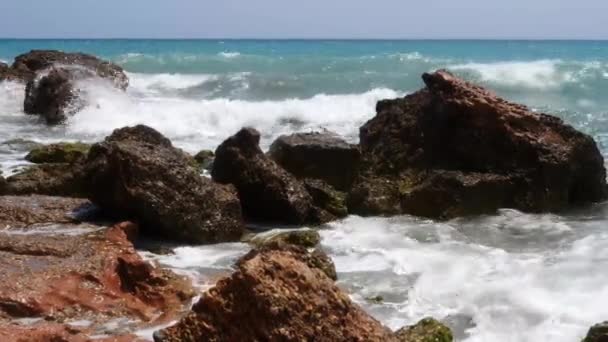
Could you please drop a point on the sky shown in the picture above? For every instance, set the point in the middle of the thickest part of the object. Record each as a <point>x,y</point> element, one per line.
<point>353,19</point>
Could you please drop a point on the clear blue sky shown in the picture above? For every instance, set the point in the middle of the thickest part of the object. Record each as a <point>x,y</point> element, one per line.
<point>577,19</point>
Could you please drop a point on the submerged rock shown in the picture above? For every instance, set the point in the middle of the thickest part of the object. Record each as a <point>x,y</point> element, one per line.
<point>317,155</point>
<point>137,173</point>
<point>58,153</point>
<point>267,192</point>
<point>454,149</point>
<point>306,238</point>
<point>19,145</point>
<point>597,333</point>
<point>427,330</point>
<point>275,295</point>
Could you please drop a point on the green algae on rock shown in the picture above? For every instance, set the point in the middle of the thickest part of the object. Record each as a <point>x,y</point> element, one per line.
<point>597,333</point>
<point>62,152</point>
<point>427,330</point>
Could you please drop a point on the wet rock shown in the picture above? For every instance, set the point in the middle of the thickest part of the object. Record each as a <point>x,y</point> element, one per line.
<point>25,211</point>
<point>440,151</point>
<point>62,272</point>
<point>327,198</point>
<point>597,333</point>
<point>276,296</point>
<point>58,153</point>
<point>56,332</point>
<point>267,192</point>
<point>59,179</point>
<point>306,238</point>
<point>27,65</point>
<point>319,155</point>
<point>204,159</point>
<point>52,96</point>
<point>138,174</point>
<point>427,330</point>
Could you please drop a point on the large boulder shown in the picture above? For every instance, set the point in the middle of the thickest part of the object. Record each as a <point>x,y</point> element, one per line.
<point>52,96</point>
<point>28,65</point>
<point>52,89</point>
<point>137,173</point>
<point>276,295</point>
<point>267,192</point>
<point>319,155</point>
<point>454,149</point>
<point>597,333</point>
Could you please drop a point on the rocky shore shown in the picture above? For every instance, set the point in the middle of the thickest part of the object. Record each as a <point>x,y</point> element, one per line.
<point>68,223</point>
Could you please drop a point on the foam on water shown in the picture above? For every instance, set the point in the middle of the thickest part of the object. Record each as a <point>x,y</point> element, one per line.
<point>548,289</point>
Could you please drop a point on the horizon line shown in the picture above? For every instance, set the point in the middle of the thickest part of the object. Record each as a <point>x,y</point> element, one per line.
<point>306,39</point>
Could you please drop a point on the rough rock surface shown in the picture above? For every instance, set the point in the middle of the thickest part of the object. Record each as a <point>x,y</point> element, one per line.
<point>56,332</point>
<point>326,198</point>
<point>307,238</point>
<point>204,159</point>
<point>275,296</point>
<point>597,333</point>
<point>454,149</point>
<point>58,153</point>
<point>59,179</point>
<point>59,271</point>
<point>267,192</point>
<point>136,173</point>
<point>427,330</point>
<point>52,96</point>
<point>319,155</point>
<point>26,66</point>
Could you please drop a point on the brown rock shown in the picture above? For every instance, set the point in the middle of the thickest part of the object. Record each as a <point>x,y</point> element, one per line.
<point>597,333</point>
<point>440,151</point>
<point>267,192</point>
<point>136,173</point>
<point>24,211</point>
<point>323,156</point>
<point>59,179</point>
<point>93,274</point>
<point>276,296</point>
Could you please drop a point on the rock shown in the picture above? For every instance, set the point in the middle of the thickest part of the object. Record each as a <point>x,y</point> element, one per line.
<point>67,272</point>
<point>597,333</point>
<point>317,155</point>
<point>427,330</point>
<point>327,198</point>
<point>29,64</point>
<point>34,210</point>
<point>51,76</point>
<point>52,96</point>
<point>454,149</point>
<point>136,173</point>
<point>56,332</point>
<point>60,179</point>
<point>306,238</point>
<point>58,153</point>
<point>276,296</point>
<point>268,193</point>
<point>204,159</point>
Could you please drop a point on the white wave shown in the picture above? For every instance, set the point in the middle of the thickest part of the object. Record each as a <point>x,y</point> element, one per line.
<point>551,291</point>
<point>228,54</point>
<point>157,83</point>
<point>541,74</point>
<point>195,124</point>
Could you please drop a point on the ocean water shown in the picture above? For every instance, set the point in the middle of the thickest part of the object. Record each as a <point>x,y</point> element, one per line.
<point>505,277</point>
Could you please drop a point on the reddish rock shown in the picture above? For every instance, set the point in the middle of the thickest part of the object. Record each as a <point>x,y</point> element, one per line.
<point>64,272</point>
<point>442,151</point>
<point>136,173</point>
<point>276,296</point>
<point>55,332</point>
<point>267,192</point>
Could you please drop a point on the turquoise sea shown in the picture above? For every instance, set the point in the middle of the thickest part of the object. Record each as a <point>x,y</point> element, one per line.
<point>505,277</point>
